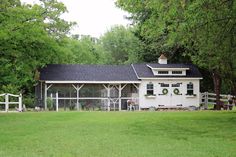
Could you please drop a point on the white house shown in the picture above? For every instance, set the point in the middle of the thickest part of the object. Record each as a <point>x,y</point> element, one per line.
<point>117,87</point>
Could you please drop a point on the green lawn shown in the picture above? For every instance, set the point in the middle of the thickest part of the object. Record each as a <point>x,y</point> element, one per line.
<point>118,134</point>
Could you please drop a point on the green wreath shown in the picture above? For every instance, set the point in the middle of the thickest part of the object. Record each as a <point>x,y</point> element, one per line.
<point>176,91</point>
<point>164,91</point>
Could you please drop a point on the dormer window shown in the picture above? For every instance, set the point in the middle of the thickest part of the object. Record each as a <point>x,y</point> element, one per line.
<point>177,72</point>
<point>190,88</point>
<point>150,89</point>
<point>163,72</point>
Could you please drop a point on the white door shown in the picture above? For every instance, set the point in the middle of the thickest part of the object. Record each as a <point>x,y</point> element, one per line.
<point>176,94</point>
<point>170,94</point>
<point>164,95</point>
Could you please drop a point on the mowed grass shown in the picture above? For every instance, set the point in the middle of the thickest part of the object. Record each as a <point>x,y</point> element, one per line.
<point>118,134</point>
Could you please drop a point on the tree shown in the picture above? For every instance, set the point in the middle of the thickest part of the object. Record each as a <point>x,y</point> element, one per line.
<point>204,29</point>
<point>30,37</point>
<point>85,50</point>
<point>152,30</point>
<point>121,45</point>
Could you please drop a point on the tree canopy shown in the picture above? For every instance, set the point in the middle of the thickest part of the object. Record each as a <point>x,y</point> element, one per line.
<point>203,30</point>
<point>30,37</point>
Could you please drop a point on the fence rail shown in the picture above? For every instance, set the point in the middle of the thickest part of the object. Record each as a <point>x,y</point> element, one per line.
<point>7,101</point>
<point>210,99</point>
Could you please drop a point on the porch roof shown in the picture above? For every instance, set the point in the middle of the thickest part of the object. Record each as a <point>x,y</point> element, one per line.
<point>77,72</point>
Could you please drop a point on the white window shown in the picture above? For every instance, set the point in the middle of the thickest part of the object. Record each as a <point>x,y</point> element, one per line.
<point>150,89</point>
<point>190,88</point>
<point>177,72</point>
<point>164,85</point>
<point>176,85</point>
<point>163,72</point>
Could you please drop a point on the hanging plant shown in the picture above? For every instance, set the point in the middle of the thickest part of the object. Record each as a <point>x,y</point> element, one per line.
<point>176,91</point>
<point>164,91</point>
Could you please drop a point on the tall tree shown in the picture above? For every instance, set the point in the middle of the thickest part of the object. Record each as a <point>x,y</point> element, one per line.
<point>121,45</point>
<point>206,29</point>
<point>30,37</point>
<point>85,50</point>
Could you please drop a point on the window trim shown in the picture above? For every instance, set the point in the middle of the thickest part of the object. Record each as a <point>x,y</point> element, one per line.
<point>148,89</point>
<point>190,90</point>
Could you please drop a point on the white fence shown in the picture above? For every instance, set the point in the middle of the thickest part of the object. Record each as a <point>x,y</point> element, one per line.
<point>7,101</point>
<point>210,99</point>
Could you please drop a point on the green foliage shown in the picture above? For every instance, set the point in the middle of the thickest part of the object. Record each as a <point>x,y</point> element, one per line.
<point>12,89</point>
<point>50,103</point>
<point>121,46</point>
<point>29,101</point>
<point>30,37</point>
<point>203,31</point>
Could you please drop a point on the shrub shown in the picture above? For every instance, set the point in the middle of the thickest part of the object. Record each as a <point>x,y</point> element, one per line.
<point>29,102</point>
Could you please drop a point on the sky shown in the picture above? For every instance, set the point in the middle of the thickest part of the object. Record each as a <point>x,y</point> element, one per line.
<point>93,17</point>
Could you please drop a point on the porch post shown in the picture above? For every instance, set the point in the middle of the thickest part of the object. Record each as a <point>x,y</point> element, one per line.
<point>139,97</point>
<point>45,96</point>
<point>57,101</point>
<point>77,88</point>
<point>120,97</point>
<point>77,97</point>
<point>138,87</point>
<point>108,95</point>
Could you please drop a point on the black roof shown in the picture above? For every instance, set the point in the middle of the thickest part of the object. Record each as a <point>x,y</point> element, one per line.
<point>77,72</point>
<point>143,70</point>
<point>156,65</point>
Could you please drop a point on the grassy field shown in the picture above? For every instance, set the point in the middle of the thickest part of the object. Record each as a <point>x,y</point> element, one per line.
<point>118,134</point>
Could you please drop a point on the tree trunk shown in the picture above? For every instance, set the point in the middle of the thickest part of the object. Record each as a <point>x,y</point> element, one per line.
<point>217,88</point>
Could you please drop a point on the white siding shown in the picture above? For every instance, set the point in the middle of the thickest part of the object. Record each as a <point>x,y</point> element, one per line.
<point>169,99</point>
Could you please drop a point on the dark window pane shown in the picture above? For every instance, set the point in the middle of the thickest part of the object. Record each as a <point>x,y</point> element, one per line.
<point>189,92</point>
<point>175,85</point>
<point>149,92</point>
<point>163,72</point>
<point>149,86</point>
<point>177,72</point>
<point>164,85</point>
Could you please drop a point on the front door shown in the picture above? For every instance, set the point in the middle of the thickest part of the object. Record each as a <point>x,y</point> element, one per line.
<point>176,95</point>
<point>170,94</point>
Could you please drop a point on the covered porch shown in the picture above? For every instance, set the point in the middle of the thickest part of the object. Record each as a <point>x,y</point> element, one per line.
<point>93,96</point>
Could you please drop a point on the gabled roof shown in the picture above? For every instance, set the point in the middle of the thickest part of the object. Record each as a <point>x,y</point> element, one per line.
<point>144,71</point>
<point>77,72</point>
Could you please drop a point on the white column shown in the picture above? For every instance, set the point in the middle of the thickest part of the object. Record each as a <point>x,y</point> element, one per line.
<point>77,97</point>
<point>6,102</point>
<point>138,97</point>
<point>57,101</point>
<point>20,102</point>
<point>120,97</point>
<point>45,96</point>
<point>108,95</point>
<point>138,87</point>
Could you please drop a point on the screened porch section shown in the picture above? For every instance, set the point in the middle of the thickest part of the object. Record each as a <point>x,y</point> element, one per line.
<point>91,97</point>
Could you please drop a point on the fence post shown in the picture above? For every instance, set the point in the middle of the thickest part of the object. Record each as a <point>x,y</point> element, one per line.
<point>57,101</point>
<point>206,101</point>
<point>20,102</point>
<point>6,102</point>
